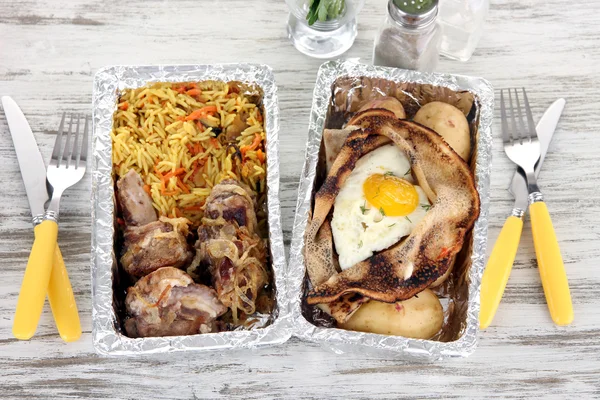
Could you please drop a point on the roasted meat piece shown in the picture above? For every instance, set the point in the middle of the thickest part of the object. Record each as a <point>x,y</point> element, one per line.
<point>230,249</point>
<point>167,302</point>
<point>236,261</point>
<point>231,201</point>
<point>136,204</point>
<point>158,244</point>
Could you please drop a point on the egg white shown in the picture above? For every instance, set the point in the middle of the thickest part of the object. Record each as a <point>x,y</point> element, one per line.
<point>359,229</point>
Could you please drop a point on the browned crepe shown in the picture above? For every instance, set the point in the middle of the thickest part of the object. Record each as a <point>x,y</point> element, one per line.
<point>334,139</point>
<point>429,250</point>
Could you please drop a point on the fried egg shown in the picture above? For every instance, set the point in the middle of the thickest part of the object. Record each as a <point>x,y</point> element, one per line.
<point>377,206</point>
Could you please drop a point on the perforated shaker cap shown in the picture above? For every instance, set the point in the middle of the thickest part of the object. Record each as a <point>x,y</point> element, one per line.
<point>413,13</point>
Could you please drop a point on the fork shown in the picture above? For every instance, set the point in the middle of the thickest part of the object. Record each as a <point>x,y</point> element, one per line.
<point>67,167</point>
<point>524,150</point>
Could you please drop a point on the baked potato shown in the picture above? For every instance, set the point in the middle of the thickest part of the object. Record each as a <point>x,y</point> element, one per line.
<point>419,317</point>
<point>448,122</point>
<point>388,103</point>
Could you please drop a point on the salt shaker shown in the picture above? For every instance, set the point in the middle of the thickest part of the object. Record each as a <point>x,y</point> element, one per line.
<point>409,37</point>
<point>461,23</point>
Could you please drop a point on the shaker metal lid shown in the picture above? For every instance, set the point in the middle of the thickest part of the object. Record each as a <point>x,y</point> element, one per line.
<point>413,13</point>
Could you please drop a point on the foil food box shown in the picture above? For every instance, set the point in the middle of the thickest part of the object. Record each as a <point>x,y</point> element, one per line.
<point>340,89</point>
<point>108,337</point>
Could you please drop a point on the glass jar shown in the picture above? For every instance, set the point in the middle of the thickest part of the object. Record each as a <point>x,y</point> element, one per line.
<point>322,39</point>
<point>409,37</point>
<point>461,23</point>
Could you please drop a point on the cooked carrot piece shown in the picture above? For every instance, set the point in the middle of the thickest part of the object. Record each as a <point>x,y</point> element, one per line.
<point>201,112</point>
<point>253,146</point>
<point>183,186</point>
<point>261,155</point>
<point>194,92</point>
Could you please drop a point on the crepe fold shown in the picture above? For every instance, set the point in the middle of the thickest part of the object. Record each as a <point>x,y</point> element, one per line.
<point>411,265</point>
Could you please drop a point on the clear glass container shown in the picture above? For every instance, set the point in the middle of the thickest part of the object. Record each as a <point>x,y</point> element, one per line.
<point>409,37</point>
<point>461,23</point>
<point>323,39</point>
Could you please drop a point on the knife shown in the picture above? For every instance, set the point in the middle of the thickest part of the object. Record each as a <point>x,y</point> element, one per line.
<point>60,292</point>
<point>503,254</point>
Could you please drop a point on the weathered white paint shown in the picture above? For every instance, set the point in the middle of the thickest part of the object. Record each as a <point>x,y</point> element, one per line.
<point>49,51</point>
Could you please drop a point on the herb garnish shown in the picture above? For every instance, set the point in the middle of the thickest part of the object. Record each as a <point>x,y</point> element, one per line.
<point>389,173</point>
<point>360,244</point>
<point>426,207</point>
<point>363,208</point>
<point>407,172</point>
<point>381,211</point>
<point>389,226</point>
<point>408,219</point>
<point>324,10</point>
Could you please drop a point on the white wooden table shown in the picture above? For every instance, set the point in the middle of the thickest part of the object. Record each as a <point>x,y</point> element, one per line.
<point>49,52</point>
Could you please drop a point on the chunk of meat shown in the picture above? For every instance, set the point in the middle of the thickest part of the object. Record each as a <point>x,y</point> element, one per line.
<point>236,260</point>
<point>167,302</point>
<point>158,244</point>
<point>136,204</point>
<point>231,201</point>
<point>229,247</point>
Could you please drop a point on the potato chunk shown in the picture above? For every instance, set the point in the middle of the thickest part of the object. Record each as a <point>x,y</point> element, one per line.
<point>419,317</point>
<point>448,122</point>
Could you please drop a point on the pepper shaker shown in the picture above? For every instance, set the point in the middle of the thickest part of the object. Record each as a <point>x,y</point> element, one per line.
<point>409,37</point>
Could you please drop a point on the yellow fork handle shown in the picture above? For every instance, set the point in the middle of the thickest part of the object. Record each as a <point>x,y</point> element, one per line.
<point>498,269</point>
<point>550,264</point>
<point>35,281</point>
<point>62,300</point>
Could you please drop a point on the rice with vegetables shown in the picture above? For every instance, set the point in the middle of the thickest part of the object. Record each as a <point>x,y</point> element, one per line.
<point>184,138</point>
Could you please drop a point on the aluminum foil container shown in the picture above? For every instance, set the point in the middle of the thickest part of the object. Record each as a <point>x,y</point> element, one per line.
<point>107,336</point>
<point>340,88</point>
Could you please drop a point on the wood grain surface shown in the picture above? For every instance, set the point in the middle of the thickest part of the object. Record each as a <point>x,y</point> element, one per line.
<point>49,52</point>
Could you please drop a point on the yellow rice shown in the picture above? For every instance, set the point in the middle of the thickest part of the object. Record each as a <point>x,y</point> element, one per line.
<point>151,136</point>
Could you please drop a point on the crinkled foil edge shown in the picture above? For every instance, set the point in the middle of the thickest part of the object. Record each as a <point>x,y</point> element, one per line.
<point>107,82</point>
<point>339,340</point>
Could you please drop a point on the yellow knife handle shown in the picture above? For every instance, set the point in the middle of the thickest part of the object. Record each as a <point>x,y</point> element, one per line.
<point>550,264</point>
<point>35,282</point>
<point>62,300</point>
<point>498,269</point>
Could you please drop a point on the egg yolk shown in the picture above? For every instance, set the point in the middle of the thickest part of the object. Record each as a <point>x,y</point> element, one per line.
<point>395,196</point>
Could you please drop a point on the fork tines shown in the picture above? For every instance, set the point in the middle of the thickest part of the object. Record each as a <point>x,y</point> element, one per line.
<point>510,131</point>
<point>72,155</point>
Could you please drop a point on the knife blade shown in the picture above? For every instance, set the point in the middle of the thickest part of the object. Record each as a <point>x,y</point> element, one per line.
<point>503,253</point>
<point>31,163</point>
<point>60,293</point>
<point>545,130</point>
<point>549,259</point>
